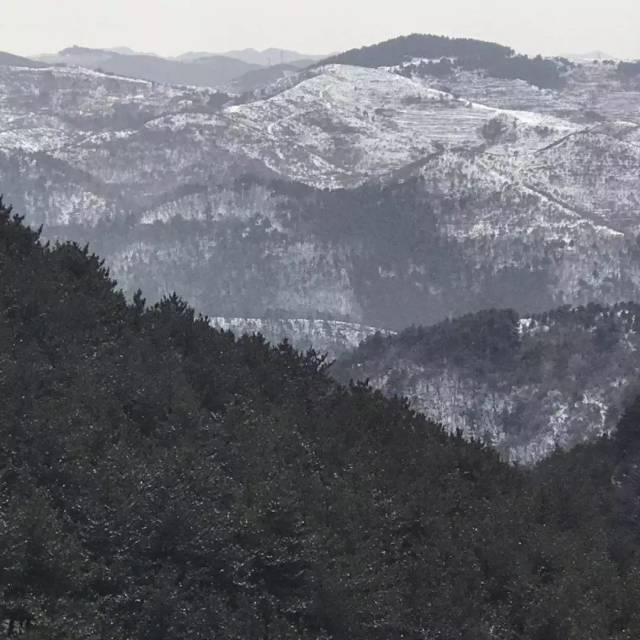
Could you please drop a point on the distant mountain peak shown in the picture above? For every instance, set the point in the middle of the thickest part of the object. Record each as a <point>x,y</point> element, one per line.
<point>76,50</point>
<point>11,60</point>
<point>128,51</point>
<point>215,71</point>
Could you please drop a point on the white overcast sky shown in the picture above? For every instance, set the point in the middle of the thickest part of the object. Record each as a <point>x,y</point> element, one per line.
<point>170,27</point>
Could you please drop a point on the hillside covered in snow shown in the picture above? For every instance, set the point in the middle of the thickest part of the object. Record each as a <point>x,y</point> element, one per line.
<point>382,196</point>
<point>405,183</point>
<point>524,385</point>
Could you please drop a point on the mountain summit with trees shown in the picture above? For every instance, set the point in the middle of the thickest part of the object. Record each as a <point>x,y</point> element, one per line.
<point>494,59</point>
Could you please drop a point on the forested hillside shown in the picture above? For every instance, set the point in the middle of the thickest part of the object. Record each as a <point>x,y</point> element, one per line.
<point>161,480</point>
<point>416,45</point>
<point>449,54</point>
<point>524,384</point>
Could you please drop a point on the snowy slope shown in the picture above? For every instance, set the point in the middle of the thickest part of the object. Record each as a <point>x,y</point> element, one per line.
<point>177,183</point>
<point>347,124</point>
<point>560,378</point>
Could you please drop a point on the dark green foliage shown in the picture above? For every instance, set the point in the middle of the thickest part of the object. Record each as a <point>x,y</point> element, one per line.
<point>447,54</point>
<point>628,432</point>
<point>494,129</point>
<point>536,71</point>
<point>487,340</point>
<point>161,480</point>
<point>492,338</point>
<point>398,50</point>
<point>440,69</point>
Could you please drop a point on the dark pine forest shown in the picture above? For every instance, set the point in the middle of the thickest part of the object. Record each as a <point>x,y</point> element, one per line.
<point>160,479</point>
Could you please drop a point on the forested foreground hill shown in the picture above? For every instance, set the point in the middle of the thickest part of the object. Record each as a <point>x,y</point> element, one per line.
<point>161,480</point>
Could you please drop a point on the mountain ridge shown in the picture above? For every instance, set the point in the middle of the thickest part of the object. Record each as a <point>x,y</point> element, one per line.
<point>271,56</point>
<point>526,385</point>
<point>474,191</point>
<point>212,71</point>
<point>8,59</point>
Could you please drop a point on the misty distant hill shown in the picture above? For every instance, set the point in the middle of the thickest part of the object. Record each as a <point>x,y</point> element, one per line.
<point>271,57</point>
<point>212,71</point>
<point>9,60</point>
<point>262,77</point>
<point>128,51</point>
<point>190,56</point>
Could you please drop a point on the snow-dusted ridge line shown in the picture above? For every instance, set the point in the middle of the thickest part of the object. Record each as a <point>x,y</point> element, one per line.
<point>76,70</point>
<point>171,161</point>
<point>331,336</point>
<point>346,124</point>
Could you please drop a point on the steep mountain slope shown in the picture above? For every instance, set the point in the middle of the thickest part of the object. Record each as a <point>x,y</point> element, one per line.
<point>524,385</point>
<point>210,71</point>
<point>376,196</point>
<point>159,479</point>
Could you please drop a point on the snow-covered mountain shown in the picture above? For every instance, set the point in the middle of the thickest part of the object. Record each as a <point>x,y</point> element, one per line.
<point>377,195</point>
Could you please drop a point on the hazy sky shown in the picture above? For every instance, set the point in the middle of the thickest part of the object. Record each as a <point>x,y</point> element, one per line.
<point>316,26</point>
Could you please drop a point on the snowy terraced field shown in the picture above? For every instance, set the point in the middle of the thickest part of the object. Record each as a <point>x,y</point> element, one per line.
<point>347,124</point>
<point>592,91</point>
